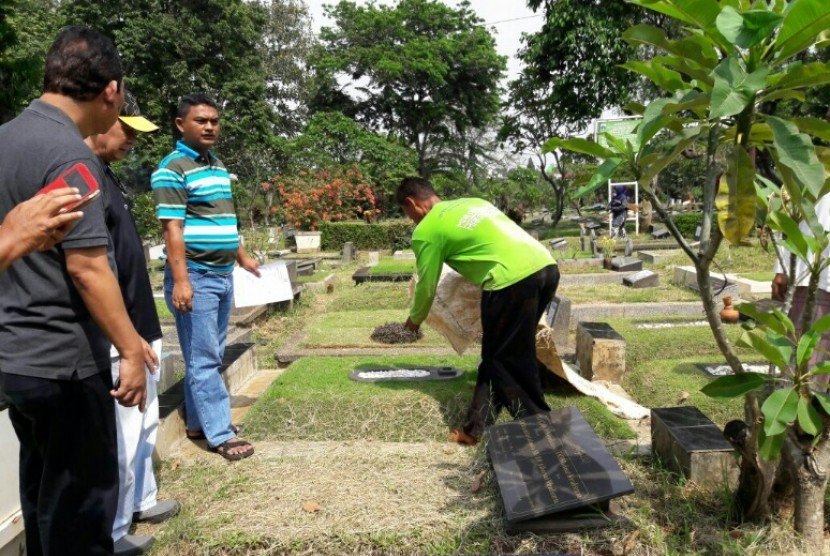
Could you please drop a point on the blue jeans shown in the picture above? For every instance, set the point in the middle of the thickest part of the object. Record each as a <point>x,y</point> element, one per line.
<point>202,335</point>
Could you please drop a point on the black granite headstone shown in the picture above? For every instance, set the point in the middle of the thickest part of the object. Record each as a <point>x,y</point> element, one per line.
<point>552,463</point>
<point>660,233</point>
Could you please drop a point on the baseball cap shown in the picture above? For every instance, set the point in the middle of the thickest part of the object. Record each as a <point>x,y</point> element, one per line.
<point>131,115</point>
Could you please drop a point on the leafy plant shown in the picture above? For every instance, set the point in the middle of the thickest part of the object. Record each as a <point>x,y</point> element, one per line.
<point>726,78</point>
<point>607,245</point>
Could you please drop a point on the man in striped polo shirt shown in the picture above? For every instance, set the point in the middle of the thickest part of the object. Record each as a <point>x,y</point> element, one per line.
<point>192,191</point>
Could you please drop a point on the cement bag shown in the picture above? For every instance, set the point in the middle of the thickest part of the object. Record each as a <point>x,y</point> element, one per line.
<point>456,310</point>
<point>616,404</point>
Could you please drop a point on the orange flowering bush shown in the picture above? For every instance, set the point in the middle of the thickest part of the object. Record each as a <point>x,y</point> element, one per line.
<point>309,198</point>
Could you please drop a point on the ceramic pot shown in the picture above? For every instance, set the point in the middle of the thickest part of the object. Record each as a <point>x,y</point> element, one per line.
<point>729,314</point>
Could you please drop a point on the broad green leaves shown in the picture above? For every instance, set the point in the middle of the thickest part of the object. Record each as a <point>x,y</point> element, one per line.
<point>734,88</point>
<point>796,152</point>
<point>748,29</point>
<point>732,386</point>
<point>803,23</point>
<point>736,197</point>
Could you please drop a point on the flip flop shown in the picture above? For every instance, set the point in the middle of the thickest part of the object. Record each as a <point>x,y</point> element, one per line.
<point>200,435</point>
<point>225,448</point>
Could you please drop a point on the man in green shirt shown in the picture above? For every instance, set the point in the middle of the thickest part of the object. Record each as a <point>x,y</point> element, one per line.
<point>519,278</point>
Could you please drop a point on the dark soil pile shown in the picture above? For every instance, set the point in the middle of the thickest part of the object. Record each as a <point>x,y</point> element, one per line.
<point>395,333</point>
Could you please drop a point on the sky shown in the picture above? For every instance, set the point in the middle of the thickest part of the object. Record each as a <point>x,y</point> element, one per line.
<point>508,19</point>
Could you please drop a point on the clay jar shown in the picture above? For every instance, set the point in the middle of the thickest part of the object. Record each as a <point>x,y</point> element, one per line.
<point>729,314</point>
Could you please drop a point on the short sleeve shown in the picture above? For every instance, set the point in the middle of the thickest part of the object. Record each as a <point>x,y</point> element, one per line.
<point>169,193</point>
<point>91,230</point>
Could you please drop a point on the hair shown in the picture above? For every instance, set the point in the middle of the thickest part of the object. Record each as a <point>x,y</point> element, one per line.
<point>194,99</point>
<point>419,188</point>
<point>81,63</point>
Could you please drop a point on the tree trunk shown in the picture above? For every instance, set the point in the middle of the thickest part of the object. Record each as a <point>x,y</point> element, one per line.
<point>808,467</point>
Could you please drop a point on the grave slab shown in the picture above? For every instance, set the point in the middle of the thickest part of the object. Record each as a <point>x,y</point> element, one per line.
<point>558,317</point>
<point>404,255</point>
<point>642,279</point>
<point>652,257</point>
<point>692,446</point>
<point>600,352</point>
<point>660,233</point>
<point>626,264</point>
<point>552,468</point>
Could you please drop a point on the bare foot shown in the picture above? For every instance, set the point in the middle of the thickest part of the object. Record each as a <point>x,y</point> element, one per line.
<point>461,437</point>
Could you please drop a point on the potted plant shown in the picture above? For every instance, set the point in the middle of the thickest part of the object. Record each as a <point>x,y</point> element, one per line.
<point>607,245</point>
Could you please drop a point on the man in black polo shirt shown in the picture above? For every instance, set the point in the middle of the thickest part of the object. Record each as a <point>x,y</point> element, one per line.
<point>60,308</point>
<point>137,495</point>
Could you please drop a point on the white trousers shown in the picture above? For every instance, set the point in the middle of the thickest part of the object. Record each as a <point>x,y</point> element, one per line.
<point>137,488</point>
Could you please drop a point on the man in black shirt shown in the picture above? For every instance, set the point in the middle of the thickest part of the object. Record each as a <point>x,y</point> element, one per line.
<point>137,496</point>
<point>60,308</point>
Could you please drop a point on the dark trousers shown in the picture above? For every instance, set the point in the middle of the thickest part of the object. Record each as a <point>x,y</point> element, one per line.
<point>68,462</point>
<point>508,376</point>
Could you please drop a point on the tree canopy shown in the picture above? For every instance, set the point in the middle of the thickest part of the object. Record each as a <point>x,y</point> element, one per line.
<point>421,70</point>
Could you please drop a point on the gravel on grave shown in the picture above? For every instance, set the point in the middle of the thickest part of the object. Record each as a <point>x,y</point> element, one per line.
<point>395,333</point>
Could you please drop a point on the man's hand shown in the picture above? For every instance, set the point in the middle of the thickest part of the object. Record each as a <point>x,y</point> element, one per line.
<point>779,286</point>
<point>183,296</point>
<point>411,326</point>
<point>150,357</point>
<point>132,382</point>
<point>248,263</point>
<point>38,222</point>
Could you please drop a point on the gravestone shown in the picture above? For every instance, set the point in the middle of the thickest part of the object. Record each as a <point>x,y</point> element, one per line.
<point>697,232</point>
<point>583,240</point>
<point>660,232</point>
<point>403,256</point>
<point>629,247</point>
<point>626,264</point>
<point>554,473</point>
<point>558,317</point>
<point>642,279</point>
<point>691,445</point>
<point>374,258</point>
<point>559,243</point>
<point>600,352</point>
<point>764,306</point>
<point>348,252</point>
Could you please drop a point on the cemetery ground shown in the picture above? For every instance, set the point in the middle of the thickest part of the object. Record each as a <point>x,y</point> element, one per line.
<point>344,467</point>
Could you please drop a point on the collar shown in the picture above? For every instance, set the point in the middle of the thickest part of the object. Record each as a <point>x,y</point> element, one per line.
<point>53,113</point>
<point>193,155</point>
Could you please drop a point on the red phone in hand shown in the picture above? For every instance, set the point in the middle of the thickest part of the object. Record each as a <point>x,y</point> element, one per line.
<point>79,177</point>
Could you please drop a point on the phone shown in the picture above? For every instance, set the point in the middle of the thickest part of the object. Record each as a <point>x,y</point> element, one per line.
<point>79,177</point>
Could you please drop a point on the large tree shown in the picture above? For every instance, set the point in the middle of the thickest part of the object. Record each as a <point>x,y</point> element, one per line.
<point>420,69</point>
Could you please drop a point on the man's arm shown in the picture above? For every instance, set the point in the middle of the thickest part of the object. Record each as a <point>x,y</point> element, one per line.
<point>92,276</point>
<point>429,261</point>
<point>245,261</point>
<point>36,224</point>
<point>177,261</point>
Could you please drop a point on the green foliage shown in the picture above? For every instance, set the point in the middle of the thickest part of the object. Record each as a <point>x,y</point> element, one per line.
<point>388,234</point>
<point>687,222</point>
<point>143,209</point>
<point>430,71</point>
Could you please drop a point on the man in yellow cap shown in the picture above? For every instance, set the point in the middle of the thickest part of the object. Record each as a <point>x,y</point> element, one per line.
<point>136,431</point>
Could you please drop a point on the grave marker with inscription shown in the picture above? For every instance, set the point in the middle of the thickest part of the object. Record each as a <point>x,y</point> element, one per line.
<point>553,466</point>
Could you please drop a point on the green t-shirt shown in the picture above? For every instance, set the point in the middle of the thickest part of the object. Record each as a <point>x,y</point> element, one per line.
<point>479,242</point>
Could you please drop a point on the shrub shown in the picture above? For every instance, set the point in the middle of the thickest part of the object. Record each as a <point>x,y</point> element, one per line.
<point>310,198</point>
<point>389,234</point>
<point>687,222</point>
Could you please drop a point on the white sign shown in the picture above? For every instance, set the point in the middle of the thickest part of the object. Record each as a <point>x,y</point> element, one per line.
<point>273,286</point>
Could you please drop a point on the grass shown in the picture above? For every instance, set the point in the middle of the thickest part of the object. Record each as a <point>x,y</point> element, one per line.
<point>660,380</point>
<point>162,310</point>
<point>372,295</point>
<point>617,293</point>
<point>352,329</point>
<point>316,276</point>
<point>759,276</point>
<point>315,400</point>
<point>392,266</point>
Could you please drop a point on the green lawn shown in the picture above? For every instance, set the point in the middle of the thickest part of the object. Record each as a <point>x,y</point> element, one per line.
<point>316,276</point>
<point>371,296</point>
<point>315,400</point>
<point>393,266</point>
<point>162,310</point>
<point>617,293</point>
<point>345,329</point>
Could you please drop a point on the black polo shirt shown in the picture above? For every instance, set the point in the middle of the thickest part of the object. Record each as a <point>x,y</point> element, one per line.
<point>45,329</point>
<point>129,258</point>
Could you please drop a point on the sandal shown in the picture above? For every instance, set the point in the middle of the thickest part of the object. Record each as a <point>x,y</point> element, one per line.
<point>200,435</point>
<point>225,448</point>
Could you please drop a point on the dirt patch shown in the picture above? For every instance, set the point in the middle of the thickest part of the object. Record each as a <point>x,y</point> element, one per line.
<point>395,333</point>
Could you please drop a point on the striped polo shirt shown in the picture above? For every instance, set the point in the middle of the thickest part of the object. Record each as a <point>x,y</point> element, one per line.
<point>187,186</point>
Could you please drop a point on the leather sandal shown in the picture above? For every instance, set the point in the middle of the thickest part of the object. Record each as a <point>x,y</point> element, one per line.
<point>225,448</point>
